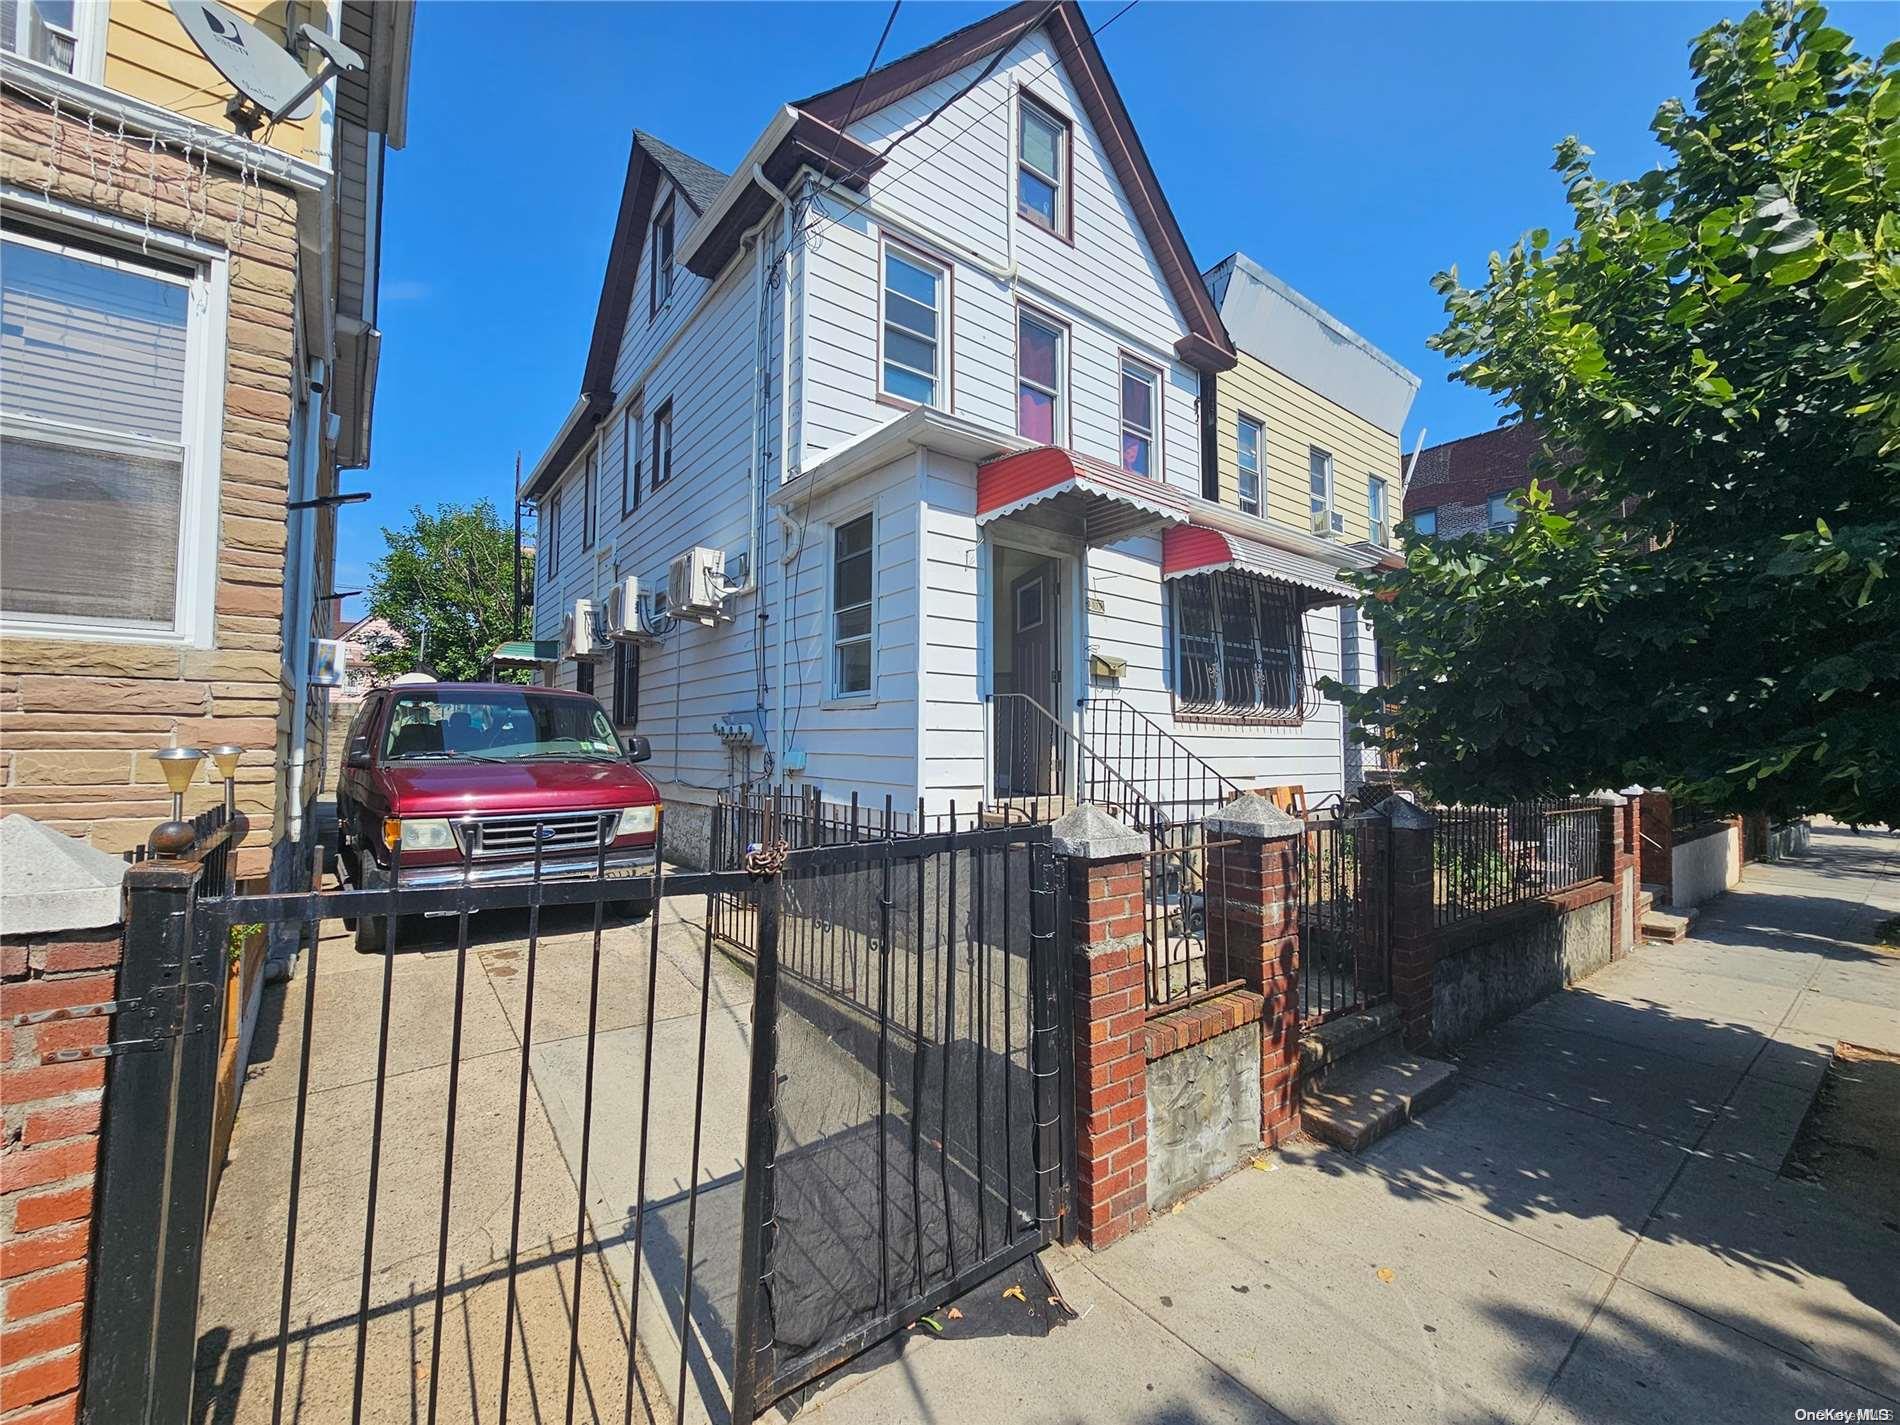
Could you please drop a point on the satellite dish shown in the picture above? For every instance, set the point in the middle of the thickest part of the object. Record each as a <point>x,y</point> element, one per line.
<point>271,82</point>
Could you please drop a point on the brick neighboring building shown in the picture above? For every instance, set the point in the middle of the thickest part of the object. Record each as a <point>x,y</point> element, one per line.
<point>1458,486</point>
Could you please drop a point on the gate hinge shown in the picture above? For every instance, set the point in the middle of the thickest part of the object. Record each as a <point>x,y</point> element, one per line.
<point>153,1020</point>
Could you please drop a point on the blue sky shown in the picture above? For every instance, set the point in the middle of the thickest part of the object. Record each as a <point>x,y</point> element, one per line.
<point>1352,149</point>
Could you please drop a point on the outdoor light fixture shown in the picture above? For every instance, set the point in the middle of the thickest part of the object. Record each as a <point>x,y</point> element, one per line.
<point>327,502</point>
<point>225,759</point>
<point>180,765</point>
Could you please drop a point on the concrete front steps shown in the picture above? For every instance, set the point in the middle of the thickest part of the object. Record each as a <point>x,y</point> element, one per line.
<point>1358,1083</point>
<point>1660,927</point>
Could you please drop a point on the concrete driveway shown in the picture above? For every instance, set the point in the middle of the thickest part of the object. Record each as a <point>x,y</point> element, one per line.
<point>1593,1228</point>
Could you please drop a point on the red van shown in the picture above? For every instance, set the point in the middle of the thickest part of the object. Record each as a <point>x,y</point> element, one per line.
<point>474,781</point>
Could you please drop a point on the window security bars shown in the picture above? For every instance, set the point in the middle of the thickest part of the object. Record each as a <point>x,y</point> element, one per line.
<point>1238,645</point>
<point>1484,858</point>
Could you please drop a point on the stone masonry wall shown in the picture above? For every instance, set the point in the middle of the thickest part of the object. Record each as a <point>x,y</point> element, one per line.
<point>79,719</point>
<point>49,1146</point>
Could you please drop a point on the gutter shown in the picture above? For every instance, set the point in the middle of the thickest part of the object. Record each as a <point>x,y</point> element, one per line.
<point>750,170</point>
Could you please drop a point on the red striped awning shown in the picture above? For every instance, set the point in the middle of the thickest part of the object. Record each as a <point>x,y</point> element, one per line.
<point>1198,549</point>
<point>1074,494</point>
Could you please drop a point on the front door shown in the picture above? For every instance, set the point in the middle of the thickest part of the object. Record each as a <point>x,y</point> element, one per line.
<point>1028,732</point>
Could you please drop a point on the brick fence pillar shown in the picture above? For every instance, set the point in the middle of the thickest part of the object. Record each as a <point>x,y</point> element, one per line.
<point>49,1150</point>
<point>1619,867</point>
<point>1253,911</point>
<point>1656,844</point>
<point>1109,968</point>
<point>1406,848</point>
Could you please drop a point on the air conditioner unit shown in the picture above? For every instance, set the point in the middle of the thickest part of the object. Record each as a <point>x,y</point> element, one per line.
<point>624,621</point>
<point>580,632</point>
<point>1327,523</point>
<point>695,585</point>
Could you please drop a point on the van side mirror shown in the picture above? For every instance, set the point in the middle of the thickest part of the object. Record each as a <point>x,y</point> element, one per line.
<point>358,755</point>
<point>638,748</point>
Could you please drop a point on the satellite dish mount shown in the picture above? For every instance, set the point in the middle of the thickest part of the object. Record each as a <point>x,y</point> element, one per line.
<point>271,82</point>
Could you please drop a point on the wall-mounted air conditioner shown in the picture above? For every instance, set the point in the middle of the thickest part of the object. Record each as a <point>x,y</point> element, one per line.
<point>625,621</point>
<point>580,632</point>
<point>1327,523</point>
<point>696,585</point>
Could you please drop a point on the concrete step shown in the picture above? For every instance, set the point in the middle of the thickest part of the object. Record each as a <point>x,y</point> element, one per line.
<point>1645,903</point>
<point>1331,1044</point>
<point>1362,1102</point>
<point>1659,927</point>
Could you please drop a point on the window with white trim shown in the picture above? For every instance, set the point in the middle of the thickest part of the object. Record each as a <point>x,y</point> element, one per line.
<point>1237,645</point>
<point>1499,513</point>
<point>1042,164</point>
<point>852,597</point>
<point>911,359</point>
<point>632,458</point>
<point>590,478</point>
<point>108,440</point>
<point>1319,479</point>
<point>67,35</point>
<point>1380,532</point>
<point>1141,415</point>
<point>660,260</point>
<point>1041,364</point>
<point>1250,445</point>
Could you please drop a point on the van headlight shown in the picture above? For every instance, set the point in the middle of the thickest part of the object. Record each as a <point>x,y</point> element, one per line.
<point>427,833</point>
<point>637,821</point>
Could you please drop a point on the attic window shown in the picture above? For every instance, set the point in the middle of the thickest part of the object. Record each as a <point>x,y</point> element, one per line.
<point>660,275</point>
<point>1042,142</point>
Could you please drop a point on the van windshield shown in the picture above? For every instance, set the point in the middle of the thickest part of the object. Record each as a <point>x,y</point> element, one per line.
<point>497,725</point>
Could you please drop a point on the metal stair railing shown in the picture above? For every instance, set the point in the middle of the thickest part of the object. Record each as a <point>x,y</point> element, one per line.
<point>1034,759</point>
<point>1171,776</point>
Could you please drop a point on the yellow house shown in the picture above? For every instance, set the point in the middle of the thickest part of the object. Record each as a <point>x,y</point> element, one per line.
<point>188,360</point>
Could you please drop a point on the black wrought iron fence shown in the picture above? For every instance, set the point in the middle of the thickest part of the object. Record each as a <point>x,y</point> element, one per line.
<point>1183,915</point>
<point>1345,901</point>
<point>1485,858</point>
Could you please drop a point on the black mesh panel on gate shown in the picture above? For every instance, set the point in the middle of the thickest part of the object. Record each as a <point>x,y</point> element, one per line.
<point>905,1109</point>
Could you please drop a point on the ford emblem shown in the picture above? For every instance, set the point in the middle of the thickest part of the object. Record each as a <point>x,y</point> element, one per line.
<point>544,833</point>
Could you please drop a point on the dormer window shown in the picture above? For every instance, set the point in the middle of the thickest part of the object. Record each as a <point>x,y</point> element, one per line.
<point>660,283</point>
<point>1042,165</point>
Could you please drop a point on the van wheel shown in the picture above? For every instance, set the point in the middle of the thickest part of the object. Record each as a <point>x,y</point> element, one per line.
<point>372,934</point>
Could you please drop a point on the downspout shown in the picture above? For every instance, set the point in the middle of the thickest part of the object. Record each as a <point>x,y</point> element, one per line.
<point>785,429</point>
<point>303,488</point>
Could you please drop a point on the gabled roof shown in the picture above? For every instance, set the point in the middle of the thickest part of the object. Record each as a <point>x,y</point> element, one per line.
<point>700,182</point>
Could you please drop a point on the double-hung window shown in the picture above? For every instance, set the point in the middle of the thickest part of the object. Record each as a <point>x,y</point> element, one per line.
<point>1499,514</point>
<point>590,477</point>
<point>110,372</point>
<point>1237,643</point>
<point>663,445</point>
<point>660,260</point>
<point>1042,162</point>
<point>851,608</point>
<point>1250,445</point>
<point>551,554</point>
<point>1380,532</point>
<point>631,458</point>
<point>1040,413</point>
<point>914,324</point>
<point>1141,411</point>
<point>67,35</point>
<point>1319,478</point>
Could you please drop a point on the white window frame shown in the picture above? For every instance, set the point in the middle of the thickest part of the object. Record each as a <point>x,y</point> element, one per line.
<point>632,458</point>
<point>1059,393</point>
<point>940,378</point>
<point>1123,427</point>
<point>1250,507</point>
<point>200,549</point>
<point>832,609</point>
<point>1378,512</point>
<point>1321,505</point>
<point>90,18</point>
<point>1498,514</point>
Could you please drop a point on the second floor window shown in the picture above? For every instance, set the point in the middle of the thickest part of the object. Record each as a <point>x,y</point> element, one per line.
<point>1319,479</point>
<point>1039,363</point>
<point>851,608</point>
<point>1042,142</point>
<point>660,282</point>
<point>551,555</point>
<point>1380,532</point>
<point>632,457</point>
<point>1425,522</point>
<point>1250,440</point>
<point>1498,513</point>
<point>1237,645</point>
<point>913,326</point>
<point>51,32</point>
<point>590,478</point>
<point>1141,406</point>
<point>662,445</point>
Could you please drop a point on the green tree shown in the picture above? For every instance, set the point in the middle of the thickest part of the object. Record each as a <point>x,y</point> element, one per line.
<point>1715,351</point>
<point>449,576</point>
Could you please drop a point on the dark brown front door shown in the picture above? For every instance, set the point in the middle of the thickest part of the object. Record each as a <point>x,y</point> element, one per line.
<point>1026,741</point>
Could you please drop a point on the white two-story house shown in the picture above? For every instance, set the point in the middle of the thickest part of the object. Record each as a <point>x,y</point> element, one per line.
<point>935,375</point>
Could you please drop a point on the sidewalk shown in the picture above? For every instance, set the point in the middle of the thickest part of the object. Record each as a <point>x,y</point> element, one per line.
<point>1592,1228</point>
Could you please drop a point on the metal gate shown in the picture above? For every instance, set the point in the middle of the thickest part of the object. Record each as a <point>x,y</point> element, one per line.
<point>1345,867</point>
<point>894,1011</point>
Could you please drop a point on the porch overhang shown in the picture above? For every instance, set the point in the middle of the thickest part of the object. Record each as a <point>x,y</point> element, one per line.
<point>1071,494</point>
<point>1198,549</point>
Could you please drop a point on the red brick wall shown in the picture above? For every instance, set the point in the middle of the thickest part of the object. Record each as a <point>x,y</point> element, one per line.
<point>1111,1060</point>
<point>50,1115</point>
<point>1259,926</point>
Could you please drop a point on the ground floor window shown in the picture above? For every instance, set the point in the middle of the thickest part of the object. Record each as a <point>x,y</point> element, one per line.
<point>1237,645</point>
<point>626,684</point>
<point>851,600</point>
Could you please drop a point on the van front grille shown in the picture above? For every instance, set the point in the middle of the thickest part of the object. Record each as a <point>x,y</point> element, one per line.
<point>560,832</point>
